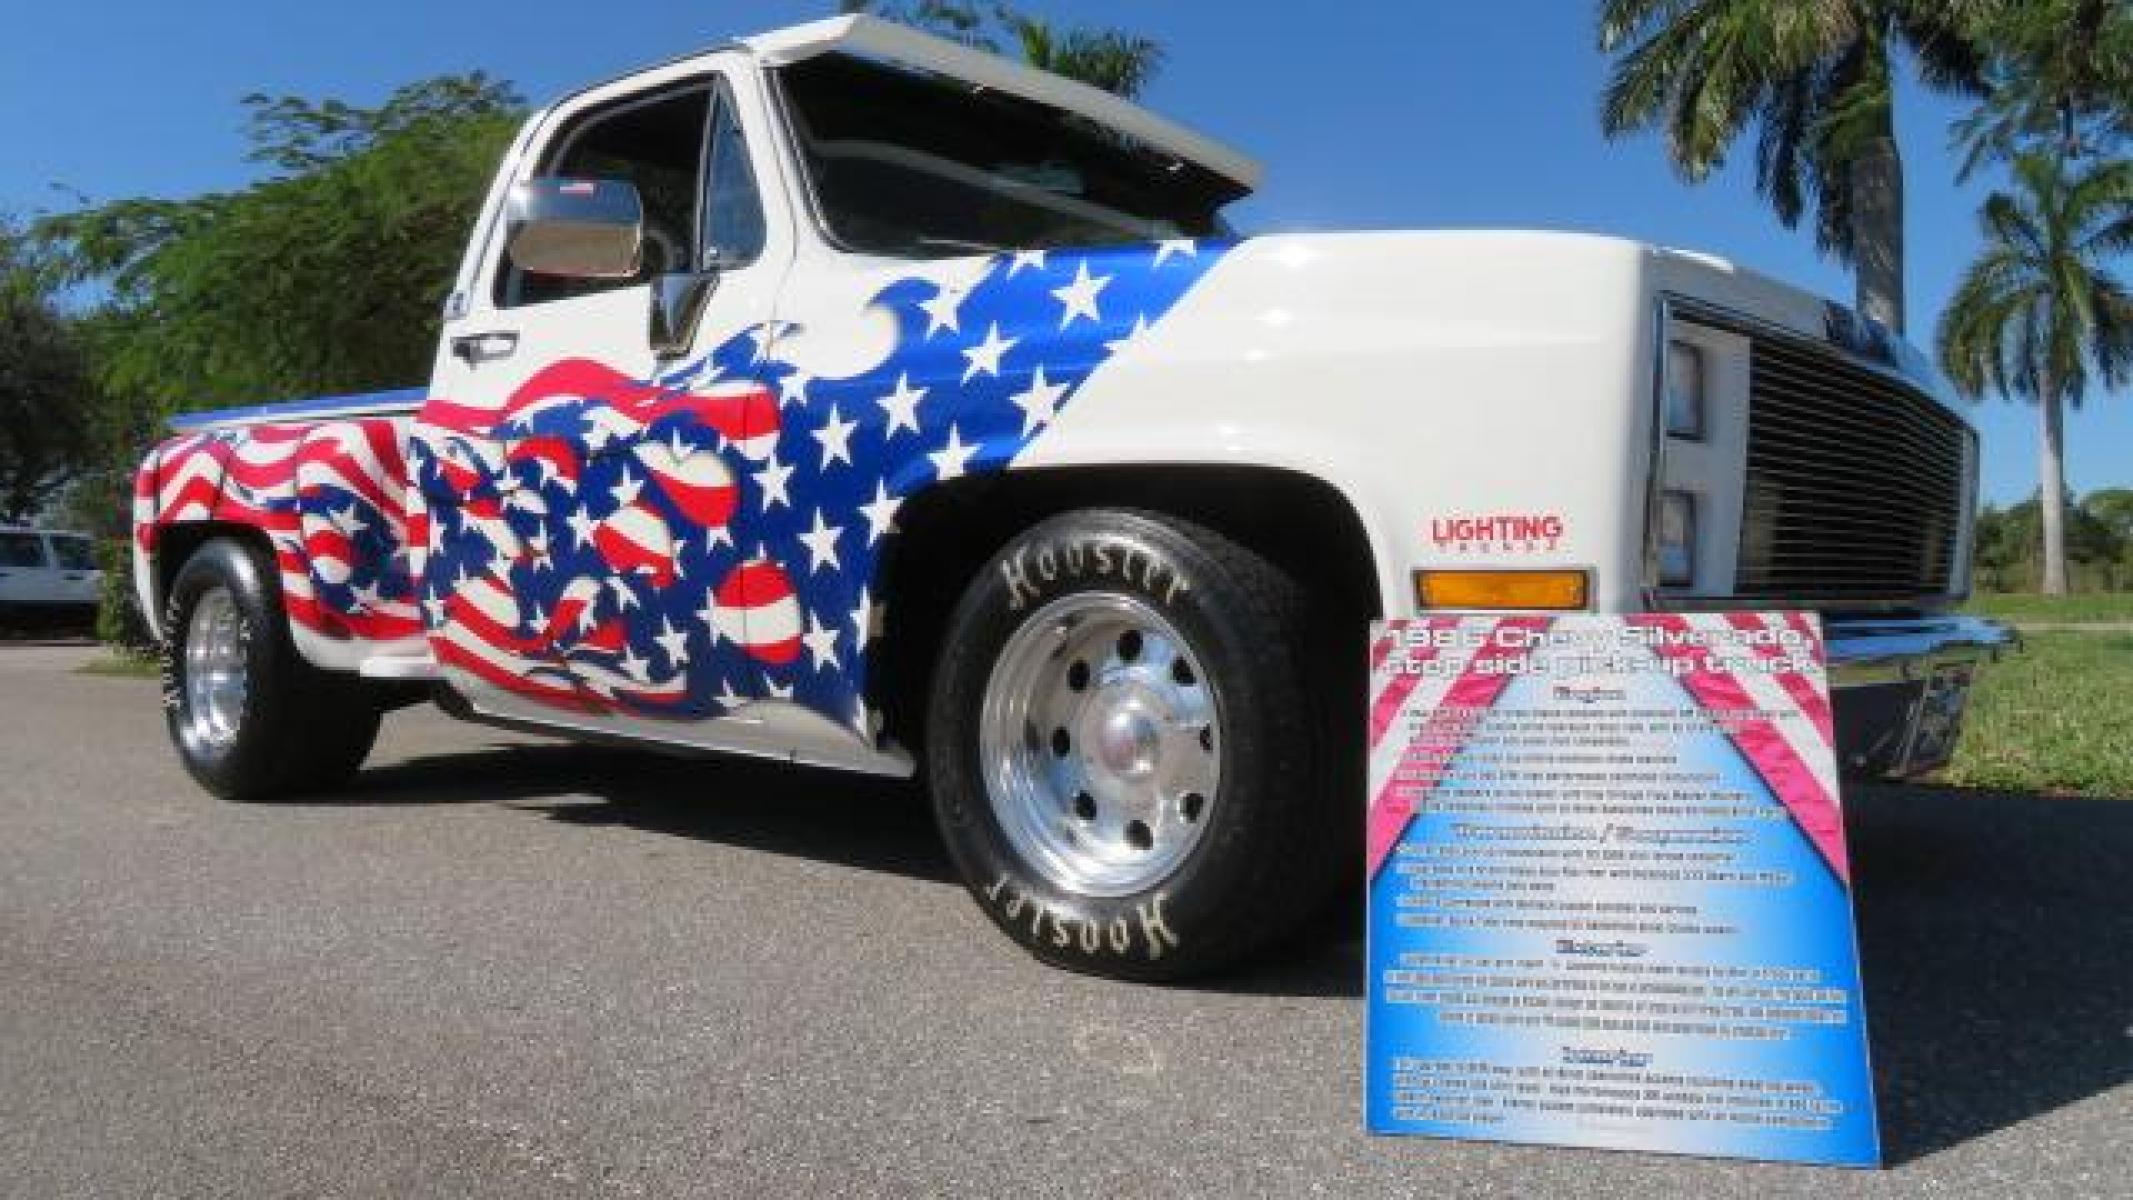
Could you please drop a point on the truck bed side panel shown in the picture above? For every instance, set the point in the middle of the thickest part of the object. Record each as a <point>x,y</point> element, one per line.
<point>330,497</point>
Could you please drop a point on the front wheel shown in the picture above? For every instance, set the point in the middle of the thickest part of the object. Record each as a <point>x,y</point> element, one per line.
<point>1129,749</point>
<point>250,718</point>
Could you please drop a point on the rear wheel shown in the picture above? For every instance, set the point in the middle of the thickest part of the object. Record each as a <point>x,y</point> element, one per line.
<point>1130,750</point>
<point>250,718</point>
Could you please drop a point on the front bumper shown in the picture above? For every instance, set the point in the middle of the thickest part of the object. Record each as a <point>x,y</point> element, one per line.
<point>1898,688</point>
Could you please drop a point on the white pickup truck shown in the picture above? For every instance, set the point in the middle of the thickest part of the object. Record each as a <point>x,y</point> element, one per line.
<point>48,580</point>
<point>846,396</point>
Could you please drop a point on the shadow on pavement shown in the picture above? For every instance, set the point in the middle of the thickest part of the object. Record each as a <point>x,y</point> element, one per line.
<point>1996,929</point>
<point>1996,937</point>
<point>851,820</point>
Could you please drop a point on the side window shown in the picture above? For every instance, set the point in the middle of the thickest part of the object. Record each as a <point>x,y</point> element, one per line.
<point>21,550</point>
<point>655,143</point>
<point>733,212</point>
<point>74,554</point>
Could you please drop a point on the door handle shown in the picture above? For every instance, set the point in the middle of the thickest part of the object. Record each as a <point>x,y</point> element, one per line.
<point>75,578</point>
<point>476,348</point>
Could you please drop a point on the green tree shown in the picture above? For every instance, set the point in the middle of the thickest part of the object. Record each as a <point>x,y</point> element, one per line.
<point>2001,553</point>
<point>1814,82</point>
<point>2113,509</point>
<point>46,397</point>
<point>2040,312</point>
<point>326,275</point>
<point>1112,59</point>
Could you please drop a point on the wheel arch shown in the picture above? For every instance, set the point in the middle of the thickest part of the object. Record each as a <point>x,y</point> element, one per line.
<point>1302,522</point>
<point>175,543</point>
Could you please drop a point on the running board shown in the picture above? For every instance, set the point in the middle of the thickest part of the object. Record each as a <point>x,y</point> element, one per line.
<point>389,666</point>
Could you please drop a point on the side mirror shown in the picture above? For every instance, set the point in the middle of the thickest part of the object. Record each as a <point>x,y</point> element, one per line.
<point>576,228</point>
<point>677,305</point>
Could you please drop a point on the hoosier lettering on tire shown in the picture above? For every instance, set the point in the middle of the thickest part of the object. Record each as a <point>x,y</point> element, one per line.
<point>1128,759</point>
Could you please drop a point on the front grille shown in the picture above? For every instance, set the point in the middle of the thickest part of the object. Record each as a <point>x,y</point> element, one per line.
<point>1855,484</point>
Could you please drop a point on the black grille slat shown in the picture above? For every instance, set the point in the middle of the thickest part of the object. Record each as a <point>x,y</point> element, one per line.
<point>1855,480</point>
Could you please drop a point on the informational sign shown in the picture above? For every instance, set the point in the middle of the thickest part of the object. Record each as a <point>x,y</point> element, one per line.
<point>1609,899</point>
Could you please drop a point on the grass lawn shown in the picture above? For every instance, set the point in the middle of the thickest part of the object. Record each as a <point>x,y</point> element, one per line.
<point>2089,608</point>
<point>2056,717</point>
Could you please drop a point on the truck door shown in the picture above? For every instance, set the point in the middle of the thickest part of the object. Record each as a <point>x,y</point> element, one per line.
<point>28,585</point>
<point>75,559</point>
<point>586,494</point>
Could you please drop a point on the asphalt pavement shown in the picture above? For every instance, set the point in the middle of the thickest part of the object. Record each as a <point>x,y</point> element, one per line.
<point>508,968</point>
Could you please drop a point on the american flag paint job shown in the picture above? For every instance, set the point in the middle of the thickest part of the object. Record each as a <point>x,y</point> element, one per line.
<point>330,497</point>
<point>671,547</point>
<point>678,545</point>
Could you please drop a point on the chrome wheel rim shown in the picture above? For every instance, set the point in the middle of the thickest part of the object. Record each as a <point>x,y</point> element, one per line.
<point>1101,744</point>
<point>216,680</point>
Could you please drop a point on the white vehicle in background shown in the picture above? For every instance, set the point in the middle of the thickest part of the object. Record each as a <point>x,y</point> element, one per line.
<point>48,580</point>
<point>850,397</point>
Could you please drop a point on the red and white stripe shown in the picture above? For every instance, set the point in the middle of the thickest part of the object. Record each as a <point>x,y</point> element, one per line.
<point>575,610</point>
<point>635,540</point>
<point>553,452</point>
<point>755,608</point>
<point>745,414</point>
<point>189,479</point>
<point>697,482</point>
<point>1418,722</point>
<point>1784,728</point>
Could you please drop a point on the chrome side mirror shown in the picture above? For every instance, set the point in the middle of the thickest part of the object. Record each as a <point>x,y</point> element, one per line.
<point>575,228</point>
<point>677,305</point>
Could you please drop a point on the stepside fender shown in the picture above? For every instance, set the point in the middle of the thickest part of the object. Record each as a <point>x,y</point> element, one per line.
<point>329,497</point>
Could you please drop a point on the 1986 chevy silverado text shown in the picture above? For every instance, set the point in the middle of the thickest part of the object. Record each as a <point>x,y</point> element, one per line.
<point>847,396</point>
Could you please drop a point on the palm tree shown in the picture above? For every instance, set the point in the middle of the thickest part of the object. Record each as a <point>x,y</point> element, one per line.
<point>1815,80</point>
<point>2040,312</point>
<point>2061,71</point>
<point>1111,59</point>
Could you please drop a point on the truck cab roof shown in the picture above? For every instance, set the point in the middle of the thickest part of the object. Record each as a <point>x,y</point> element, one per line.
<point>871,37</point>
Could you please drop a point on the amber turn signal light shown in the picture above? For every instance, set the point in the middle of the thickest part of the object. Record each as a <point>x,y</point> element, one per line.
<point>1502,589</point>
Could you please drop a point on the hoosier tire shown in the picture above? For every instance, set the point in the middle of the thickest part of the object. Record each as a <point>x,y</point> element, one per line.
<point>1132,756</point>
<point>250,718</point>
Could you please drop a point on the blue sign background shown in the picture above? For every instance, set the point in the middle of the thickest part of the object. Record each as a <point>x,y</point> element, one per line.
<point>1532,1073</point>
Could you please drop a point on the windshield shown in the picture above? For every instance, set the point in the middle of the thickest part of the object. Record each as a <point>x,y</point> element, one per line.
<point>914,165</point>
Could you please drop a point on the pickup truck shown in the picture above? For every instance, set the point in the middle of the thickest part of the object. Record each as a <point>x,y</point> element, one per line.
<point>849,397</point>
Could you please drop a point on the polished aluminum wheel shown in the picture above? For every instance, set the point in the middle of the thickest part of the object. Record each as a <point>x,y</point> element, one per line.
<point>216,679</point>
<point>1100,744</point>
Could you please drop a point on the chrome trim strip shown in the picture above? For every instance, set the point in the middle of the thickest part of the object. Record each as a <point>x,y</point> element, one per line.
<point>1871,652</point>
<point>1662,313</point>
<point>1747,325</point>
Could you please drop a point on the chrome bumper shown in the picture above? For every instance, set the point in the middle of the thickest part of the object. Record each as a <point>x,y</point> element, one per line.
<point>1870,652</point>
<point>1899,687</point>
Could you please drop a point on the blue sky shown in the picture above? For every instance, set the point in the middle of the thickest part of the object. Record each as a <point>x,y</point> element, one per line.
<point>1374,115</point>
